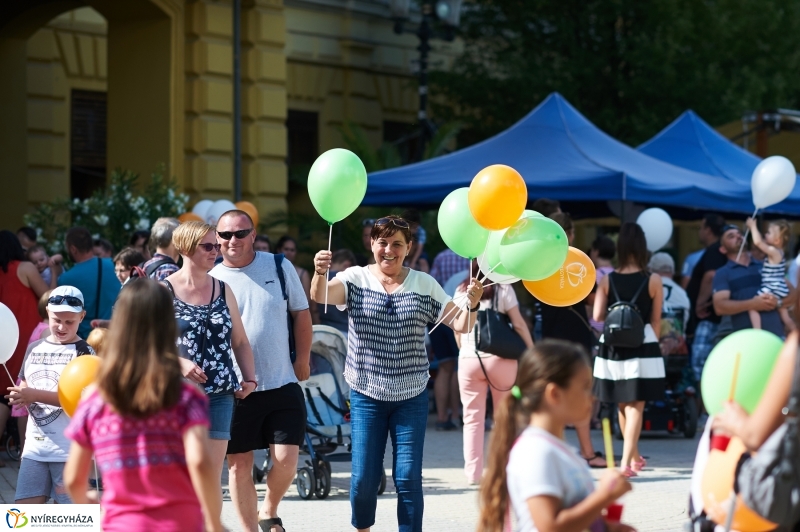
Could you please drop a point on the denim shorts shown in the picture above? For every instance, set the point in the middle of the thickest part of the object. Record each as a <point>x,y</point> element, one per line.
<point>220,415</point>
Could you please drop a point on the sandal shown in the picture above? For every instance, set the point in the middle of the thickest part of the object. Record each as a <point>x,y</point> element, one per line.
<point>638,466</point>
<point>267,524</point>
<point>627,472</point>
<point>597,461</point>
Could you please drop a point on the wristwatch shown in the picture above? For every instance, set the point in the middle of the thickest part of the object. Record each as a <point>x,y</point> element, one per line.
<point>476,307</point>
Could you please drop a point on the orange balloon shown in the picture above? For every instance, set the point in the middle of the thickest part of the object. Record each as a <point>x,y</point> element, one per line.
<point>497,197</point>
<point>250,209</point>
<point>569,285</point>
<point>189,217</point>
<point>717,486</point>
<point>76,376</point>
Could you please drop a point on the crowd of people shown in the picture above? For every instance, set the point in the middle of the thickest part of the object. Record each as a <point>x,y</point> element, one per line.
<point>205,332</point>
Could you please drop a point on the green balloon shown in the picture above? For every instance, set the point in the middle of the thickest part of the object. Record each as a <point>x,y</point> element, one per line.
<point>337,183</point>
<point>458,228</point>
<point>533,248</point>
<point>492,253</point>
<point>527,213</point>
<point>759,351</point>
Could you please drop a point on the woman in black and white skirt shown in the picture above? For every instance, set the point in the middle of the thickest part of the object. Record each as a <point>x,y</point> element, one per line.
<point>631,376</point>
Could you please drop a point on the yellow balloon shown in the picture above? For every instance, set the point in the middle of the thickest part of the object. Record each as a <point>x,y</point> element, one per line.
<point>189,217</point>
<point>497,197</point>
<point>569,285</point>
<point>717,486</point>
<point>250,209</point>
<point>76,376</point>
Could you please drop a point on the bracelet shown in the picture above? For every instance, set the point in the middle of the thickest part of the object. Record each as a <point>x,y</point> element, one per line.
<point>476,307</point>
<point>320,274</point>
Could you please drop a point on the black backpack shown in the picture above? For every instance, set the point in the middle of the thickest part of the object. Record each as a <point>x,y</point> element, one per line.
<point>141,272</point>
<point>624,326</point>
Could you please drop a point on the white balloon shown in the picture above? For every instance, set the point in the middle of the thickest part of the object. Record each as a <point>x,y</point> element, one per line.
<point>494,277</point>
<point>657,227</point>
<point>773,180</point>
<point>219,208</point>
<point>9,333</point>
<point>201,208</point>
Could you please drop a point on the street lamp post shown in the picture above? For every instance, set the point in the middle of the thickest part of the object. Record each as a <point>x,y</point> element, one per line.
<point>448,13</point>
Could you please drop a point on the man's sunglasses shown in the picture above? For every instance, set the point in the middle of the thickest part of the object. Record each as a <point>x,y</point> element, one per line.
<point>398,222</point>
<point>69,300</point>
<point>227,235</point>
<point>209,247</point>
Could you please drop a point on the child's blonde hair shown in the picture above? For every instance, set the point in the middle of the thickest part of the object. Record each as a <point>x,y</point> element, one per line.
<point>97,339</point>
<point>551,361</point>
<point>784,231</point>
<point>43,306</point>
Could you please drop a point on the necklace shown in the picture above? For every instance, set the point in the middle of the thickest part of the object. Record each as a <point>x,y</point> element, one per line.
<point>389,279</point>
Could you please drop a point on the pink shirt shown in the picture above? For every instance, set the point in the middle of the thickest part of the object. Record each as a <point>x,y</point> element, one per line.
<point>143,463</point>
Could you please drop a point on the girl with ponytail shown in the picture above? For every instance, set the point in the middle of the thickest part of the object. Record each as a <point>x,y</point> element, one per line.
<point>531,470</point>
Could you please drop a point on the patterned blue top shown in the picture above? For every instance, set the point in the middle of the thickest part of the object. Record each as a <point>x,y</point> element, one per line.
<point>386,356</point>
<point>216,360</point>
<point>773,279</point>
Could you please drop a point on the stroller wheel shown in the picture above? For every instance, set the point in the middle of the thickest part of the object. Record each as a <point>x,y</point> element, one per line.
<point>12,448</point>
<point>305,482</point>
<point>323,476</point>
<point>382,486</point>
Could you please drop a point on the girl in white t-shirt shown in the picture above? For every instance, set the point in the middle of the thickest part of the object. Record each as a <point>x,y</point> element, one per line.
<point>531,469</point>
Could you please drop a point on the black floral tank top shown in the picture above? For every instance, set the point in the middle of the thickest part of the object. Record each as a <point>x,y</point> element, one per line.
<point>214,355</point>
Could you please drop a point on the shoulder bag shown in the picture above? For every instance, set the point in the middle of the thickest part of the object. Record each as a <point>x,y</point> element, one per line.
<point>769,482</point>
<point>495,335</point>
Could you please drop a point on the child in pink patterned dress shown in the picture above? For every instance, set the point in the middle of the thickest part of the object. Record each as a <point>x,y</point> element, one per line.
<point>147,428</point>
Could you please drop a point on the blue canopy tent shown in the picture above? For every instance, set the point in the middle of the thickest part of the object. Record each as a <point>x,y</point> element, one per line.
<point>561,155</point>
<point>689,142</point>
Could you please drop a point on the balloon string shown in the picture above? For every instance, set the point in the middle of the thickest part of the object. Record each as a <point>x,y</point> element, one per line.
<point>486,275</point>
<point>744,238</point>
<point>731,510</point>
<point>330,236</point>
<point>13,383</point>
<point>455,306</point>
<point>96,478</point>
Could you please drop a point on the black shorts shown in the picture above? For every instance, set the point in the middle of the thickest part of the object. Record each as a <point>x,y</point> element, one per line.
<point>270,417</point>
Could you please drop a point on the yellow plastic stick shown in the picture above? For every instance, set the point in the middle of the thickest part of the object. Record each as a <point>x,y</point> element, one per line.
<point>735,377</point>
<point>609,445</point>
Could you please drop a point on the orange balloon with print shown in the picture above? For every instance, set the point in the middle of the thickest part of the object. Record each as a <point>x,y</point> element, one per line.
<point>497,197</point>
<point>189,217</point>
<point>250,209</point>
<point>76,376</point>
<point>569,285</point>
<point>717,486</point>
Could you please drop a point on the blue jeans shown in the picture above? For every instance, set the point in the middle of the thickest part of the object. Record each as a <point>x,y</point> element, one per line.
<point>372,421</point>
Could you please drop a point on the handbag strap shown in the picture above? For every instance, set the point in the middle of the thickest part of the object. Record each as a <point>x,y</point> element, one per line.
<point>477,353</point>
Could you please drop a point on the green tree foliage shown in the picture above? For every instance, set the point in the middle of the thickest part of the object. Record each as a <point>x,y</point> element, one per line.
<point>631,66</point>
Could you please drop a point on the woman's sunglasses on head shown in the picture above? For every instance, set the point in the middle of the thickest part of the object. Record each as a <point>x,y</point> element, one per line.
<point>397,222</point>
<point>227,235</point>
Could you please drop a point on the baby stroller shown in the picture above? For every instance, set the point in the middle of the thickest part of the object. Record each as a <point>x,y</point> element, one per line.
<point>328,416</point>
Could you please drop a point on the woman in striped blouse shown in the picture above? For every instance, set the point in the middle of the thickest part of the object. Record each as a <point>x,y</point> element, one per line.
<point>389,307</point>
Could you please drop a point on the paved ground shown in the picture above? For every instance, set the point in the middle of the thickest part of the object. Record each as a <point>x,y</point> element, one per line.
<point>658,502</point>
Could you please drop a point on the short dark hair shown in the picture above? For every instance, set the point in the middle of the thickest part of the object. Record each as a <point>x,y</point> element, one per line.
<point>129,257</point>
<point>10,249</point>
<point>139,234</point>
<point>632,246</point>
<point>80,238</point>
<point>237,212</point>
<point>564,220</point>
<point>29,232</point>
<point>546,206</point>
<point>265,239</point>
<point>341,255</point>
<point>103,243</point>
<point>35,249</point>
<point>282,240</point>
<point>388,229</point>
<point>715,223</point>
<point>606,249</point>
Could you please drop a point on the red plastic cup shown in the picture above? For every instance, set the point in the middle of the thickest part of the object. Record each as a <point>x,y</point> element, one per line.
<point>614,512</point>
<point>720,441</point>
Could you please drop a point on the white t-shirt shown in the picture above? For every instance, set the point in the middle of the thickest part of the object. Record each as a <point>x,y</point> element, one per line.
<point>386,356</point>
<point>44,361</point>
<point>258,293</point>
<point>506,300</point>
<point>541,464</point>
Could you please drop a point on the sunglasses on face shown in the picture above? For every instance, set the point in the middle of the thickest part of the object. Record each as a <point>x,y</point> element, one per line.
<point>227,235</point>
<point>209,247</point>
<point>69,300</point>
<point>398,222</point>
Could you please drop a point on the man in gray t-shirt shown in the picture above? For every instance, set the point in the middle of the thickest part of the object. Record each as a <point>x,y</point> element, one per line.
<point>274,415</point>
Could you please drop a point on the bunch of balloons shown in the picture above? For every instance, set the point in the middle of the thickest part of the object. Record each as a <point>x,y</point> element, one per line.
<point>488,222</point>
<point>209,211</point>
<point>738,369</point>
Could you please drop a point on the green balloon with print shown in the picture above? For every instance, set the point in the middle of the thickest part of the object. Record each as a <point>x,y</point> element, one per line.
<point>534,248</point>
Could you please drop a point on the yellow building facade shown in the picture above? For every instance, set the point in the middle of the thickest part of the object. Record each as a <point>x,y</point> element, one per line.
<point>93,85</point>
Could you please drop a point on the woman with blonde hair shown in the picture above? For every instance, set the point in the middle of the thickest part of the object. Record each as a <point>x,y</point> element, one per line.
<point>210,332</point>
<point>166,480</point>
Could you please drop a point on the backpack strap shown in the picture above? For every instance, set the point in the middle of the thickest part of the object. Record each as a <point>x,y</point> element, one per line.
<point>150,270</point>
<point>99,287</point>
<point>639,291</point>
<point>279,266</point>
<point>613,287</point>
